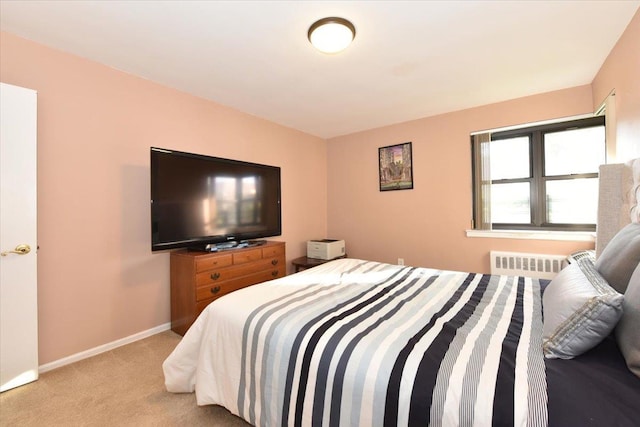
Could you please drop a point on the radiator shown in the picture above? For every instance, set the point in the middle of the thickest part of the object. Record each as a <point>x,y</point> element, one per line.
<point>540,266</point>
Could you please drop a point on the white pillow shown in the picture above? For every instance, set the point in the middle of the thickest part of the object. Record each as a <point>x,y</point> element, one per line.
<point>580,310</point>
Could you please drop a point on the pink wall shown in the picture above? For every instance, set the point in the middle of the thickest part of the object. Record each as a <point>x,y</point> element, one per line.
<point>98,280</point>
<point>426,226</point>
<point>621,71</point>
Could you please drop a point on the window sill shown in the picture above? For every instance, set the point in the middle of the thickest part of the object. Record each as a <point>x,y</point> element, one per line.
<point>573,236</point>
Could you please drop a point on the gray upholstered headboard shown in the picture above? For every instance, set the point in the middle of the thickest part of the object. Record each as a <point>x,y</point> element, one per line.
<point>619,200</point>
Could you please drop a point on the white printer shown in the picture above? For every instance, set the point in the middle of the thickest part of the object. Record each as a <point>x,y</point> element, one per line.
<point>325,249</point>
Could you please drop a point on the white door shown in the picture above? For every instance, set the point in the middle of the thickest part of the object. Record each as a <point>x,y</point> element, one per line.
<point>18,241</point>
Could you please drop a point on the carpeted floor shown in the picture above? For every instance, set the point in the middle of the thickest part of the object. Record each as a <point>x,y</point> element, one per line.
<point>122,387</point>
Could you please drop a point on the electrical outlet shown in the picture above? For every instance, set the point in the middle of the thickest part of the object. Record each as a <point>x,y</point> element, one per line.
<point>400,261</point>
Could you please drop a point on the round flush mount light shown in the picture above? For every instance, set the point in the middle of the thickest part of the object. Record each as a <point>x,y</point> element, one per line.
<point>331,35</point>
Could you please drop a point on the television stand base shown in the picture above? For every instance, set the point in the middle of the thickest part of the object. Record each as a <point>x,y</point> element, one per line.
<point>225,246</point>
<point>201,248</point>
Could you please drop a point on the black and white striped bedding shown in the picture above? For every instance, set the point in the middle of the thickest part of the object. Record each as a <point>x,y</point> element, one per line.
<point>357,343</point>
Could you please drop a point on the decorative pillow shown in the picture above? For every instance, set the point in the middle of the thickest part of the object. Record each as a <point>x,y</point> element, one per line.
<point>620,257</point>
<point>580,309</point>
<point>628,330</point>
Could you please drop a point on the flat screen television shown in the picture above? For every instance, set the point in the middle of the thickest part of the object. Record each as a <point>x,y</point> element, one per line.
<point>206,203</point>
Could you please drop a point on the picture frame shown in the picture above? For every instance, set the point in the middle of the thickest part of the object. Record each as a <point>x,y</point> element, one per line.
<point>396,167</point>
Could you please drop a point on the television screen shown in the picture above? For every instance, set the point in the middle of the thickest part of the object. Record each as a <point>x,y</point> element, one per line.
<point>199,200</point>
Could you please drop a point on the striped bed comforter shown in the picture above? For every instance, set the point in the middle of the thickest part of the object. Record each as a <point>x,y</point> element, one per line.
<point>360,343</point>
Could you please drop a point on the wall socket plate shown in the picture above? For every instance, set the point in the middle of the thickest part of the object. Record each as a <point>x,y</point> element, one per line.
<point>400,261</point>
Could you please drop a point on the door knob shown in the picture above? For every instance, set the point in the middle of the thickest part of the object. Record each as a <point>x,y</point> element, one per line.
<point>20,250</point>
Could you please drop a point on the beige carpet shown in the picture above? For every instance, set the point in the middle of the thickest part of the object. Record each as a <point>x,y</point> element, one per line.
<point>122,387</point>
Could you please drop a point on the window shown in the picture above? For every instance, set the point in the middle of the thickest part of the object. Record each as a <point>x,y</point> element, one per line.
<point>543,177</point>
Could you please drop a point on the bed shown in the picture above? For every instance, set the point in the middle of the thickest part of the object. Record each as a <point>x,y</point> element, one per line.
<point>360,343</point>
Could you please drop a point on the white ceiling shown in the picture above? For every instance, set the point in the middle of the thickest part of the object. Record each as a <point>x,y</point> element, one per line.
<point>410,59</point>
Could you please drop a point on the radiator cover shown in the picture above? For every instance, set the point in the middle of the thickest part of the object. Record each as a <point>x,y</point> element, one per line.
<point>540,266</point>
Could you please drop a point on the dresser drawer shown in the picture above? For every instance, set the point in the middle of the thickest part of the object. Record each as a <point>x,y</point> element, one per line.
<point>213,261</point>
<point>273,251</point>
<point>247,256</point>
<point>219,275</point>
<point>201,305</point>
<point>215,290</point>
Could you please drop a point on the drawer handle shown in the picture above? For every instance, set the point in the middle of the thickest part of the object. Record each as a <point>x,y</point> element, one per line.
<point>215,276</point>
<point>215,290</point>
<point>274,262</point>
<point>274,273</point>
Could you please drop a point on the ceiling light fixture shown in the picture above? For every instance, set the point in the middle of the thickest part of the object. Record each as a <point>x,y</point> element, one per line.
<point>331,35</point>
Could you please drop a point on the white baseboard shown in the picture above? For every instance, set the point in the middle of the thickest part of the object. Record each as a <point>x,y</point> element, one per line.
<point>103,348</point>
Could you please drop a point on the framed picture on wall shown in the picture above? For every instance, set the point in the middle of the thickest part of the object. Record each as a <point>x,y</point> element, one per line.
<point>396,167</point>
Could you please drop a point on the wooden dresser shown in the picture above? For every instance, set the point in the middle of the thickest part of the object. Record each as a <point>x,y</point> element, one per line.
<point>198,278</point>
